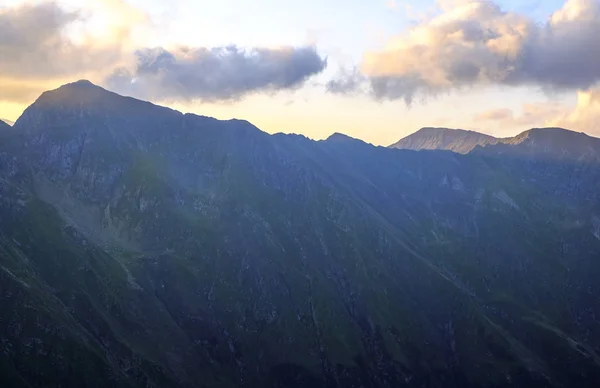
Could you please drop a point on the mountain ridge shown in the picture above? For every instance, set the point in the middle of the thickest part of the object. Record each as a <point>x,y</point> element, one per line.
<point>426,138</point>
<point>560,141</point>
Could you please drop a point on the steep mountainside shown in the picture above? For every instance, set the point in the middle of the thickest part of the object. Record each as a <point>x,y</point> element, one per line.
<point>457,140</point>
<point>143,247</point>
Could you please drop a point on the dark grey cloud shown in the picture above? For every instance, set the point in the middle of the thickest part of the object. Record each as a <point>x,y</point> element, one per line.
<point>380,88</point>
<point>346,82</point>
<point>477,43</point>
<point>564,54</point>
<point>216,74</point>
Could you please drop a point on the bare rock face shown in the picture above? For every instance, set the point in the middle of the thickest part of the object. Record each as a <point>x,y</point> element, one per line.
<point>141,247</point>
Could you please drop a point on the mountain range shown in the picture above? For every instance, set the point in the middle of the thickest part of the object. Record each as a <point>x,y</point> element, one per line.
<point>5,121</point>
<point>143,247</point>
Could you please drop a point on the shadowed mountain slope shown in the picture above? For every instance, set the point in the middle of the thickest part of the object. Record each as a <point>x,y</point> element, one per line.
<point>143,247</point>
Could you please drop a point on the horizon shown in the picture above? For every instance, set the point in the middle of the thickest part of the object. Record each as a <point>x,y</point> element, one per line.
<point>376,72</point>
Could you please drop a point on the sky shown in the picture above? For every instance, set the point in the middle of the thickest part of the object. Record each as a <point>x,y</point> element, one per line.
<point>377,70</point>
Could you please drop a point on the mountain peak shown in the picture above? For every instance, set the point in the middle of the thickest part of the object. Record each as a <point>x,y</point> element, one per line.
<point>83,93</point>
<point>340,138</point>
<point>551,143</point>
<point>553,131</point>
<point>337,136</point>
<point>82,83</point>
<point>79,93</point>
<point>83,98</point>
<point>81,86</point>
<point>559,136</point>
<point>435,138</point>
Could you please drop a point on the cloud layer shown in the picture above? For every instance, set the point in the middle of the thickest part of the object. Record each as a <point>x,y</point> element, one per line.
<point>217,74</point>
<point>477,43</point>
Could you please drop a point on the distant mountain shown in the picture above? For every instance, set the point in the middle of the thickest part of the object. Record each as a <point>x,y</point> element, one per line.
<point>457,140</point>
<point>341,137</point>
<point>4,124</point>
<point>549,143</point>
<point>143,247</point>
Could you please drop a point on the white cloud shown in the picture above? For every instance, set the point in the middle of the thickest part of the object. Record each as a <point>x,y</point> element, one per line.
<point>473,43</point>
<point>585,116</point>
<point>500,114</point>
<point>537,114</point>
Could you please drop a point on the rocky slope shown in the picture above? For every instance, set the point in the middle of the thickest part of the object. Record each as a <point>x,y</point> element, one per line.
<point>144,247</point>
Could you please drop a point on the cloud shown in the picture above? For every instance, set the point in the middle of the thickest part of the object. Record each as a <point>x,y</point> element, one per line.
<point>540,113</point>
<point>494,115</point>
<point>32,35</point>
<point>43,44</point>
<point>217,74</point>
<point>473,43</point>
<point>585,116</point>
<point>537,114</point>
<point>34,44</point>
<point>346,82</point>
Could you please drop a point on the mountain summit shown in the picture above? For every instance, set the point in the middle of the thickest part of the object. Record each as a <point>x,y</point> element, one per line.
<point>83,93</point>
<point>457,140</point>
